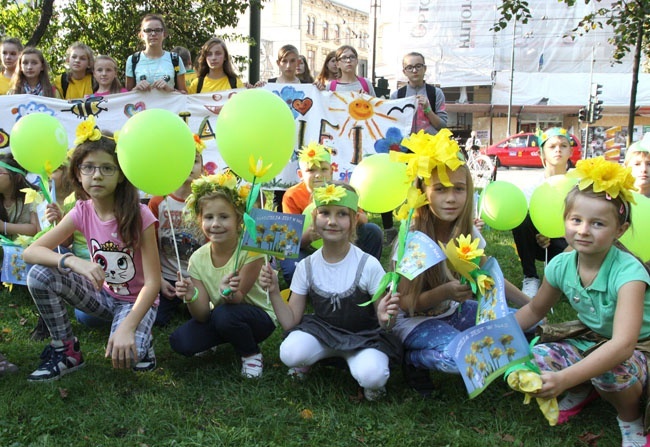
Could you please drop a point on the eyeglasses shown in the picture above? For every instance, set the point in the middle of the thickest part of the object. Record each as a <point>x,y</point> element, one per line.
<point>347,58</point>
<point>106,170</point>
<point>416,67</point>
<point>153,30</point>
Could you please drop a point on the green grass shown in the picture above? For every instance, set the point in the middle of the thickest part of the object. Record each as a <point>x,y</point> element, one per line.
<point>202,401</point>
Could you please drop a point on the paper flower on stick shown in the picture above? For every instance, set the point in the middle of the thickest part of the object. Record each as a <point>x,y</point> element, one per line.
<point>257,168</point>
<point>603,175</point>
<point>87,130</point>
<point>414,199</point>
<point>32,196</point>
<point>438,151</point>
<point>199,144</point>
<point>465,259</point>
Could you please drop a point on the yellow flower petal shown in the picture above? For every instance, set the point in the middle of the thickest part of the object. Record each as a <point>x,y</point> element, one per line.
<point>257,169</point>
<point>31,195</point>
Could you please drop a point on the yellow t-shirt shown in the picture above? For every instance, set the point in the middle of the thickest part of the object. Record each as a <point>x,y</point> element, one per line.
<point>213,85</point>
<point>4,84</point>
<point>190,75</point>
<point>76,88</point>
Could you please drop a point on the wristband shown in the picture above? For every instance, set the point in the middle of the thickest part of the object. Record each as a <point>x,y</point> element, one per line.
<point>428,109</point>
<point>61,267</point>
<point>194,297</point>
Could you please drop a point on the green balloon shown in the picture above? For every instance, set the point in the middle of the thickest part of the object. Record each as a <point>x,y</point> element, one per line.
<point>39,142</point>
<point>503,205</point>
<point>256,123</point>
<point>381,184</point>
<point>156,150</point>
<point>547,205</point>
<point>318,243</point>
<point>635,238</point>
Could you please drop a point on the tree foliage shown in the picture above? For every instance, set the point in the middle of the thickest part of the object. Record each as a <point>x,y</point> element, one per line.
<point>111,27</point>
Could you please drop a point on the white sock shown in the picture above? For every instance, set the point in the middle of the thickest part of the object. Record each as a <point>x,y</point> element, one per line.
<point>632,433</point>
<point>573,398</point>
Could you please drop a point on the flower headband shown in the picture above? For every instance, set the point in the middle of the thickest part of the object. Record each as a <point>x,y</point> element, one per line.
<point>438,151</point>
<point>225,182</point>
<point>313,154</point>
<point>543,136</point>
<point>603,175</point>
<point>87,130</point>
<point>336,195</point>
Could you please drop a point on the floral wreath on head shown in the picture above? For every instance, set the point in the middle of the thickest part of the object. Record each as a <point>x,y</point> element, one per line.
<point>226,182</point>
<point>430,152</point>
<point>313,154</point>
<point>543,136</point>
<point>604,176</point>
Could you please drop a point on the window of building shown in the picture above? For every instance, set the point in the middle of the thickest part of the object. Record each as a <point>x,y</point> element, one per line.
<point>326,31</point>
<point>311,25</point>
<point>348,33</point>
<point>311,59</point>
<point>337,34</point>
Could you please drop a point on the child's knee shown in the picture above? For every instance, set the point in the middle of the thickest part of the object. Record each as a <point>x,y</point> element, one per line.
<point>371,375</point>
<point>291,354</point>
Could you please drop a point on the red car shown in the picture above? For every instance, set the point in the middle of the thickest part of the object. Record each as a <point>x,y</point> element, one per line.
<point>522,150</point>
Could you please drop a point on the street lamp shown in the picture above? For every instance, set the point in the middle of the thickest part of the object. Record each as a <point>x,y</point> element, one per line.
<point>374,4</point>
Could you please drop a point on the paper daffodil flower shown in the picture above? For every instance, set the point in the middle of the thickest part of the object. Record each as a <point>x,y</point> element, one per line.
<point>31,195</point>
<point>467,248</point>
<point>527,381</point>
<point>257,168</point>
<point>328,194</point>
<point>606,176</point>
<point>414,199</point>
<point>87,130</point>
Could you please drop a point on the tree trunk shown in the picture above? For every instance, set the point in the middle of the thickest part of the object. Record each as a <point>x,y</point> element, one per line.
<point>635,81</point>
<point>47,10</point>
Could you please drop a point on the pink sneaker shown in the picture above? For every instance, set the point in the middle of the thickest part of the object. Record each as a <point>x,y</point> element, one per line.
<point>565,415</point>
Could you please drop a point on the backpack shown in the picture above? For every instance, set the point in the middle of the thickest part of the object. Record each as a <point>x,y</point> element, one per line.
<point>135,58</point>
<point>64,84</point>
<point>431,94</point>
<point>231,79</point>
<point>362,81</point>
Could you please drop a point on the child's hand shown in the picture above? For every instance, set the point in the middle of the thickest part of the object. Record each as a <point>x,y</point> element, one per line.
<point>552,385</point>
<point>121,348</point>
<point>479,224</point>
<point>90,270</point>
<point>268,279</point>
<point>230,286</point>
<point>53,213</point>
<point>162,85</point>
<point>183,285</point>
<point>459,292</point>
<point>166,289</point>
<point>260,83</point>
<point>542,240</point>
<point>387,309</point>
<point>319,85</point>
<point>142,86</point>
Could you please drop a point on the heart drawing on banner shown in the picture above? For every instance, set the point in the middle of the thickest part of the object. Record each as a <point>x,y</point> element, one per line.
<point>302,105</point>
<point>217,97</point>
<point>132,109</point>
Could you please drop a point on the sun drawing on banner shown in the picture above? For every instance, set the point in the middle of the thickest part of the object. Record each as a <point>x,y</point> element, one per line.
<point>362,109</point>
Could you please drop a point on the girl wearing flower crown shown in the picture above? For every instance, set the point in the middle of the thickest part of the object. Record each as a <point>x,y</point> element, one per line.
<point>121,281</point>
<point>608,289</point>
<point>432,314</point>
<point>226,307</point>
<point>336,279</point>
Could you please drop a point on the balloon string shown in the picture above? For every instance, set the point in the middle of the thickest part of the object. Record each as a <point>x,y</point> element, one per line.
<point>171,225</point>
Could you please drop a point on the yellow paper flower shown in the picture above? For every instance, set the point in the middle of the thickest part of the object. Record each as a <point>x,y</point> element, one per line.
<point>87,130</point>
<point>414,199</point>
<point>329,193</point>
<point>456,263</point>
<point>438,151</point>
<point>8,285</point>
<point>31,195</point>
<point>485,284</point>
<point>606,176</point>
<point>198,144</point>
<point>468,248</point>
<point>258,169</point>
<point>23,241</point>
<point>527,381</point>
<point>225,182</point>
<point>244,190</point>
<point>313,154</point>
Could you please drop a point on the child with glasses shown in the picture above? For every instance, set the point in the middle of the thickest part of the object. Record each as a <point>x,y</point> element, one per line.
<point>154,68</point>
<point>121,281</point>
<point>431,114</point>
<point>347,60</point>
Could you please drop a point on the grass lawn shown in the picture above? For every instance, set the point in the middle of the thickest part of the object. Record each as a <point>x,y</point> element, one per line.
<point>202,401</point>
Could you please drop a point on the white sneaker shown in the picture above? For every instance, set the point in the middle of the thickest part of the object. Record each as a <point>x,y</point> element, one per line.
<point>252,366</point>
<point>530,286</point>
<point>373,395</point>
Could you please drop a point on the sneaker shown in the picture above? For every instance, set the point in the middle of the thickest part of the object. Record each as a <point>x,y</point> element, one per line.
<point>252,366</point>
<point>530,286</point>
<point>40,332</point>
<point>58,358</point>
<point>565,415</point>
<point>299,372</point>
<point>373,395</point>
<point>389,235</point>
<point>6,367</point>
<point>148,362</point>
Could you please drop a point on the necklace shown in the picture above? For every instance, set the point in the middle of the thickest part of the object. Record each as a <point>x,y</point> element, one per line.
<point>579,284</point>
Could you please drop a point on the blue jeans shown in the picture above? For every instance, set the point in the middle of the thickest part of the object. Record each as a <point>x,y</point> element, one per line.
<point>244,326</point>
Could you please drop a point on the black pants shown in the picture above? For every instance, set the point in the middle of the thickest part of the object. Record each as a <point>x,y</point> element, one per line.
<point>529,250</point>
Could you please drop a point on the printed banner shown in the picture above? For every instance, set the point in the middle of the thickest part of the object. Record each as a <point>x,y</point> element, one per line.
<point>352,124</point>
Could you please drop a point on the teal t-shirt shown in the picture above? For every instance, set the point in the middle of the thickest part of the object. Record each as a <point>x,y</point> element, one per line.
<point>596,304</point>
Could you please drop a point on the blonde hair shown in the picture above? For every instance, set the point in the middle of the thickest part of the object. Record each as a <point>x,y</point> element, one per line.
<point>89,52</point>
<point>425,221</point>
<point>116,85</point>
<point>352,234</point>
